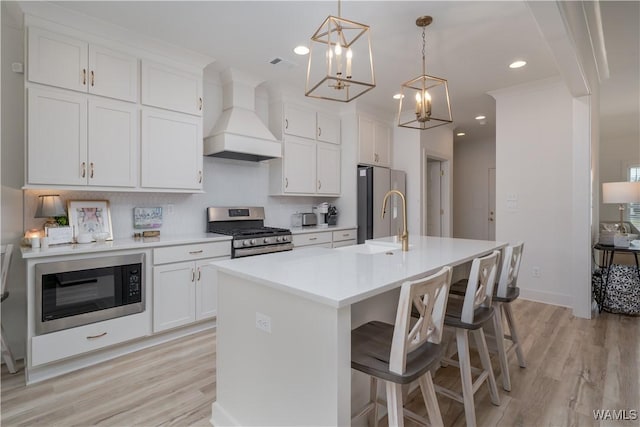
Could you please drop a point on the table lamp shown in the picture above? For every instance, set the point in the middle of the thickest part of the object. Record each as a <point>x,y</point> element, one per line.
<point>49,206</point>
<point>621,193</point>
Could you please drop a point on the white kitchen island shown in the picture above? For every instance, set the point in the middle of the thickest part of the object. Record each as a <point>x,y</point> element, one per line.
<point>285,320</point>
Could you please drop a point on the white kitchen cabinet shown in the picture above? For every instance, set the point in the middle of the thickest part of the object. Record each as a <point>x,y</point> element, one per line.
<point>328,128</point>
<point>299,121</point>
<point>171,150</point>
<point>171,88</point>
<point>374,142</point>
<point>75,141</point>
<point>328,168</point>
<point>59,60</point>
<point>325,239</point>
<point>342,238</point>
<point>184,284</point>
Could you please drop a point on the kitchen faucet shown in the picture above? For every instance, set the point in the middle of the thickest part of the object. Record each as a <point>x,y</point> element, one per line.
<point>405,234</point>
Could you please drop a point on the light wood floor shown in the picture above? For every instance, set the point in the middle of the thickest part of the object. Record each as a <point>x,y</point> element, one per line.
<point>574,367</point>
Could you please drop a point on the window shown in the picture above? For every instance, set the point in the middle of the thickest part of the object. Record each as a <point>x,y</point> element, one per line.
<point>634,208</point>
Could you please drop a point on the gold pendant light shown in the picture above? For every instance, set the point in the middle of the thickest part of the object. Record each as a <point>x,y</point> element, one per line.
<point>425,99</point>
<point>340,60</point>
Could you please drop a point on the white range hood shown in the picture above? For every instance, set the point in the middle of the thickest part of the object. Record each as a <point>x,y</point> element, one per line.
<point>239,133</point>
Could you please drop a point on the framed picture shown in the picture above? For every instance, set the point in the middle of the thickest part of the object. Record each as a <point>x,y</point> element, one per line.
<point>90,216</point>
<point>147,218</point>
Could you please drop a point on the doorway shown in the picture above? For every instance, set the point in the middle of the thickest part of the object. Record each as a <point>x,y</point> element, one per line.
<point>435,212</point>
<point>492,204</point>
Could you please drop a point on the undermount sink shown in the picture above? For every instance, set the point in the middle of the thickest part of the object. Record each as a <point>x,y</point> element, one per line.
<point>369,248</point>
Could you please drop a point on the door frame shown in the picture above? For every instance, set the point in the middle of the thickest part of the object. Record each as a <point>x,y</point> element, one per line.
<point>446,188</point>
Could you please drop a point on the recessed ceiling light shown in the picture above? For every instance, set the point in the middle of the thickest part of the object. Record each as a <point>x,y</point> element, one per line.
<point>460,134</point>
<point>480,117</point>
<point>517,64</point>
<point>301,50</point>
<point>398,96</point>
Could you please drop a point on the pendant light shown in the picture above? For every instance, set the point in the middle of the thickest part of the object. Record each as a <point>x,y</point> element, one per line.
<point>425,99</point>
<point>340,60</point>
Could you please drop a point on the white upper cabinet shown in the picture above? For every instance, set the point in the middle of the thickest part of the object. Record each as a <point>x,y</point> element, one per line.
<point>299,121</point>
<point>374,142</point>
<point>57,138</point>
<point>328,168</point>
<point>59,60</point>
<point>328,128</point>
<point>299,166</point>
<point>171,89</point>
<point>113,74</point>
<point>171,150</point>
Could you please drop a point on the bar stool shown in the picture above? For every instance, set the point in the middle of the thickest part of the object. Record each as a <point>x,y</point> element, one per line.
<point>7,355</point>
<point>508,292</point>
<point>469,314</point>
<point>405,352</point>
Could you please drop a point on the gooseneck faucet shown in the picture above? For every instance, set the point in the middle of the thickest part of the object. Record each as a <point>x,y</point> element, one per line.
<point>405,234</point>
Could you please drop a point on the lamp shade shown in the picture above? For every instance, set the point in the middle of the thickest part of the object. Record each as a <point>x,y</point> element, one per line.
<point>49,206</point>
<point>621,192</point>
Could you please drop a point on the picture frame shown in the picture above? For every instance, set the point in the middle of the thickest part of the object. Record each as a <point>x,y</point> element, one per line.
<point>90,217</point>
<point>147,218</point>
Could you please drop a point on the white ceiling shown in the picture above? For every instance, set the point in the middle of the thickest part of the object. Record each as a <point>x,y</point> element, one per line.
<point>470,43</point>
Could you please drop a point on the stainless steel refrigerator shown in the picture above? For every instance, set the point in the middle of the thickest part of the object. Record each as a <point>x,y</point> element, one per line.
<point>373,184</point>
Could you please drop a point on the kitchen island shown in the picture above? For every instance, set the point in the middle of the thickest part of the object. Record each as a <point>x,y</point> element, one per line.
<point>285,320</point>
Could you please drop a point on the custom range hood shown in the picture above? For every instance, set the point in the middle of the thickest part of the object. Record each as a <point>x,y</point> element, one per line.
<point>239,133</point>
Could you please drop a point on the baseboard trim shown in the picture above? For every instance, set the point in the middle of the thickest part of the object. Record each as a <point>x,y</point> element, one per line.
<point>546,297</point>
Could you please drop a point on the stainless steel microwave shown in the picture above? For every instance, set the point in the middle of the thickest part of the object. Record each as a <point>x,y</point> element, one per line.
<point>79,292</point>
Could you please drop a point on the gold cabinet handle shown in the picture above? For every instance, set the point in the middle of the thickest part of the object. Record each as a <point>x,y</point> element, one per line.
<point>91,170</point>
<point>313,238</point>
<point>93,337</point>
<point>319,184</point>
<point>199,274</point>
<point>286,123</point>
<point>319,131</point>
<point>83,169</point>
<point>193,275</point>
<point>286,183</point>
<point>84,76</point>
<point>200,103</point>
<point>93,80</point>
<point>199,177</point>
<point>195,252</point>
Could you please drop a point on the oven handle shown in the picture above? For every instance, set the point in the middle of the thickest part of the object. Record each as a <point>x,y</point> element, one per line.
<point>76,282</point>
<point>263,250</point>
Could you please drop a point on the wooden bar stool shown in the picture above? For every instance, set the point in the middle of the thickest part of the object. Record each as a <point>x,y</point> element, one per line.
<point>405,352</point>
<point>469,314</point>
<point>7,355</point>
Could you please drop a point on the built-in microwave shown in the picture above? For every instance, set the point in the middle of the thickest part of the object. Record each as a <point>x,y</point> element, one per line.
<point>79,292</point>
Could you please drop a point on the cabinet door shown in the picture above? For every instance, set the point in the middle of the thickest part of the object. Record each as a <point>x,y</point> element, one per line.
<point>171,150</point>
<point>328,169</point>
<point>57,137</point>
<point>366,141</point>
<point>113,74</point>
<point>57,60</point>
<point>173,295</point>
<point>328,128</point>
<point>382,143</point>
<point>299,165</point>
<point>299,121</point>
<point>206,290</point>
<point>170,88</point>
<point>113,143</point>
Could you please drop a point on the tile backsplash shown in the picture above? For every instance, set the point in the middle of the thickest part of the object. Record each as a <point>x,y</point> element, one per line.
<point>226,183</point>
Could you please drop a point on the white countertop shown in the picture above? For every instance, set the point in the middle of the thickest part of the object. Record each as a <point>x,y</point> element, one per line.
<point>121,244</point>
<point>315,229</point>
<point>340,277</point>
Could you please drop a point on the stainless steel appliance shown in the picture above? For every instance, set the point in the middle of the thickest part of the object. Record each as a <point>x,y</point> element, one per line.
<point>79,292</point>
<point>246,226</point>
<point>373,184</point>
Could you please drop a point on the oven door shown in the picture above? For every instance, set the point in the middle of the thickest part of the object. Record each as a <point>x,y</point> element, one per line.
<point>74,293</point>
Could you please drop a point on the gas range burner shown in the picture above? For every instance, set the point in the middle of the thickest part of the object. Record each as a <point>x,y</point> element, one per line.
<point>250,236</point>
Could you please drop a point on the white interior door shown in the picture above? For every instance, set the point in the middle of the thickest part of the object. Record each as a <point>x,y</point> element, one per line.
<point>492,204</point>
<point>434,198</point>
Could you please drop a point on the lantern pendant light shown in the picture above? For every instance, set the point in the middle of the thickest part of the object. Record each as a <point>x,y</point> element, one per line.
<point>430,94</point>
<point>340,60</point>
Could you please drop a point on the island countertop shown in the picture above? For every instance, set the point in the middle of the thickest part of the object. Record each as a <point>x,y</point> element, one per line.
<point>344,276</point>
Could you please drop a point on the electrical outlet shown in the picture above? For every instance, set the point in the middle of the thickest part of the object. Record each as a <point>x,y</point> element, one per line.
<point>535,271</point>
<point>263,322</point>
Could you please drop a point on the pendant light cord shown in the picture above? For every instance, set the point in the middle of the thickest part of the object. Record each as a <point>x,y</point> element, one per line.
<point>423,58</point>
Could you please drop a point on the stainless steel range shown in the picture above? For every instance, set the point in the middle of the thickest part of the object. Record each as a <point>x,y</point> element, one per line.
<point>246,225</point>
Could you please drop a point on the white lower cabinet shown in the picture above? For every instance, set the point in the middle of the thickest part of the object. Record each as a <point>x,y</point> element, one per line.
<point>185,291</point>
<point>345,237</point>
<point>325,239</point>
<point>82,339</point>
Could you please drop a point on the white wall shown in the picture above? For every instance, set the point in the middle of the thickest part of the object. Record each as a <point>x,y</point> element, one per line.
<point>534,182</point>
<point>472,158</point>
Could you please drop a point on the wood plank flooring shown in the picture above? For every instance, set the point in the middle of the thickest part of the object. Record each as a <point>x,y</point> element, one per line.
<point>574,367</point>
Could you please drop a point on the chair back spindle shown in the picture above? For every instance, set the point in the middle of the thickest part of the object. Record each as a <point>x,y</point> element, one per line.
<point>510,268</point>
<point>482,280</point>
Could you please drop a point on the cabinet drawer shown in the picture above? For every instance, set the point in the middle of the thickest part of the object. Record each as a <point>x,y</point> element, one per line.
<point>75,341</point>
<point>344,235</point>
<point>344,243</point>
<point>191,252</point>
<point>311,239</point>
